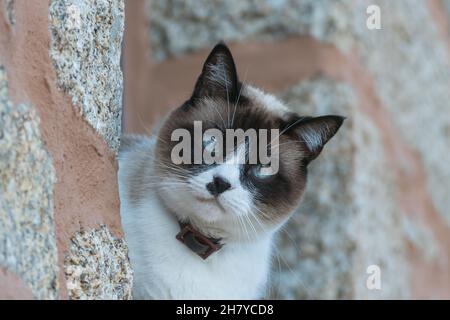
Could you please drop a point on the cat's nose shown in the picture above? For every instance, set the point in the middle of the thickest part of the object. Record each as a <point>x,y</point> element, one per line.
<point>218,186</point>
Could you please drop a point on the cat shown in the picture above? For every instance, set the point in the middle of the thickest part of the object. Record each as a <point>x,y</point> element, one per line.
<point>206,231</point>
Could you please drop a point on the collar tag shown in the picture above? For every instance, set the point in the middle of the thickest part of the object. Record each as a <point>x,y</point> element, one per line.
<point>197,242</point>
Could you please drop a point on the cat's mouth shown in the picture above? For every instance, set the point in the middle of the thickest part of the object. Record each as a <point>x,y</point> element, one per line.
<point>212,200</point>
<point>202,199</point>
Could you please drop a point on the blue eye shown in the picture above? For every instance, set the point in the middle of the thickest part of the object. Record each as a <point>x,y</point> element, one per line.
<point>262,172</point>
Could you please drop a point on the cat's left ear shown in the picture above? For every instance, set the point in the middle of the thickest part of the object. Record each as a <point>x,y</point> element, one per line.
<point>219,77</point>
<point>315,132</point>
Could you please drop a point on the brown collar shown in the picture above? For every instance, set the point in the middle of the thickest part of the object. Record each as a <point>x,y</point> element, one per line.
<point>197,242</point>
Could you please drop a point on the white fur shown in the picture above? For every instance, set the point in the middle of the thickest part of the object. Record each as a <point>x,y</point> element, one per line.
<point>312,138</point>
<point>217,73</point>
<point>164,268</point>
<point>267,100</point>
<point>236,201</point>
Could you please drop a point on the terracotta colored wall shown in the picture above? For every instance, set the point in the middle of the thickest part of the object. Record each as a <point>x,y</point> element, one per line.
<point>379,194</point>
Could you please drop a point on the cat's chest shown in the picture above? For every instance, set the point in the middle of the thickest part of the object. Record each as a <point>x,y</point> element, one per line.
<point>165,268</point>
<point>235,272</point>
<point>238,272</point>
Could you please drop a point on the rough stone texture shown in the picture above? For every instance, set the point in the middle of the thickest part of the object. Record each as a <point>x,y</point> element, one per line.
<point>335,235</point>
<point>416,232</point>
<point>181,26</point>
<point>410,66</point>
<point>27,233</point>
<point>97,266</point>
<point>86,50</point>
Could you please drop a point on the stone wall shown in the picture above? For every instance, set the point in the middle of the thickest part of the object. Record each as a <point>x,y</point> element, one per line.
<point>378,195</point>
<point>60,124</point>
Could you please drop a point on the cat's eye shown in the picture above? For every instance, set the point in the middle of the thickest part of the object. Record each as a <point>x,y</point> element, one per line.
<point>262,172</point>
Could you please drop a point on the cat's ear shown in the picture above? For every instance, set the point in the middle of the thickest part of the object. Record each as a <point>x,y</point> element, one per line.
<point>315,132</point>
<point>219,77</point>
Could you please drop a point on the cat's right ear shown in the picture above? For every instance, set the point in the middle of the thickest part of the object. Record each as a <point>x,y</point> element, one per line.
<point>219,77</point>
<point>314,132</point>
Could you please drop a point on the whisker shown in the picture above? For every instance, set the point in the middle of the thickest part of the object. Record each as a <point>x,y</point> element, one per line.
<point>223,121</point>
<point>286,129</point>
<point>239,96</point>
<point>228,96</point>
<point>245,227</point>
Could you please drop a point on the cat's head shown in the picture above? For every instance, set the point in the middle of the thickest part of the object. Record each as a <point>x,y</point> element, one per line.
<point>235,198</point>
